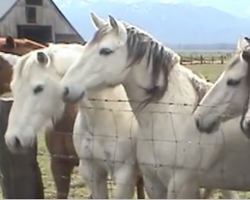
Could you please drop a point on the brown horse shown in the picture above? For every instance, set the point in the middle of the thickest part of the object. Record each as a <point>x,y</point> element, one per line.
<point>59,140</point>
<point>5,76</point>
<point>18,46</point>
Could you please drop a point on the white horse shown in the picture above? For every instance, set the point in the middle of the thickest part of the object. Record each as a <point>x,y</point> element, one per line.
<point>104,137</point>
<point>48,66</point>
<point>201,86</point>
<point>11,58</point>
<point>245,121</point>
<point>229,95</point>
<point>175,159</point>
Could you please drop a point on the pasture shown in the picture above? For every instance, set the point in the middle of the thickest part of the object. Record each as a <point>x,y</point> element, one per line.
<point>78,190</point>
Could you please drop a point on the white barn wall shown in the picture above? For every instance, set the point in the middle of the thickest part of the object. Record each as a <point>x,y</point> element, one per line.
<point>46,15</point>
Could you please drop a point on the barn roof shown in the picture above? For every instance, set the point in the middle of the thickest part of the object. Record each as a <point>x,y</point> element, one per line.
<point>7,5</point>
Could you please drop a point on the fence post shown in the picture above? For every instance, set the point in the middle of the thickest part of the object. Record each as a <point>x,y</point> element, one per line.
<point>20,174</point>
<point>201,59</point>
<point>181,60</point>
<point>222,59</point>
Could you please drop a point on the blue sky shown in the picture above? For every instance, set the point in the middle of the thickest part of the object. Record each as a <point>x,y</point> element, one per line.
<point>237,7</point>
<point>240,8</point>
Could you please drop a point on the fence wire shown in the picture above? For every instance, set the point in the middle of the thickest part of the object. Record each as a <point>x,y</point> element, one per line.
<point>172,147</point>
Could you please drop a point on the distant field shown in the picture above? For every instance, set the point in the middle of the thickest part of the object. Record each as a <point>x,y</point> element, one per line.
<point>203,51</point>
<point>212,53</point>
<point>189,57</point>
<point>78,191</point>
<point>211,72</point>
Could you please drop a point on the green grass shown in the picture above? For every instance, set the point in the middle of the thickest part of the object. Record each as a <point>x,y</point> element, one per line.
<point>78,191</point>
<point>209,71</point>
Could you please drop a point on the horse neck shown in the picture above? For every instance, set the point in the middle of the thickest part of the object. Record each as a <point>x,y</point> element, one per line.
<point>180,91</point>
<point>105,98</point>
<point>66,122</point>
<point>103,109</point>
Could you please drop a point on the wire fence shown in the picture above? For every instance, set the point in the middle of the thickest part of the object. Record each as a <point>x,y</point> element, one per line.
<point>215,160</point>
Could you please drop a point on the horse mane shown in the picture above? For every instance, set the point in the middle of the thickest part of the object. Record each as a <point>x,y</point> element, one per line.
<point>10,58</point>
<point>59,45</point>
<point>24,64</point>
<point>200,84</point>
<point>160,59</point>
<point>21,66</point>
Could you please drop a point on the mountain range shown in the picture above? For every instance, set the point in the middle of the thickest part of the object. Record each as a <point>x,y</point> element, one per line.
<point>171,22</point>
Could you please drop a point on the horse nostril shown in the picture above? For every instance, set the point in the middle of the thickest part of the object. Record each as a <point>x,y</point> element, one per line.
<point>66,91</point>
<point>248,125</point>
<point>17,143</point>
<point>197,123</point>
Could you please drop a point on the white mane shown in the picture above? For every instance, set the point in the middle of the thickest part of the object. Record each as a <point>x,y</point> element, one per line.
<point>72,45</point>
<point>11,58</point>
<point>25,67</point>
<point>200,84</point>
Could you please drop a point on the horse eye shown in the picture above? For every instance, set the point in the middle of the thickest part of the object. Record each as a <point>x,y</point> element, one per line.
<point>38,89</point>
<point>105,51</point>
<point>233,82</point>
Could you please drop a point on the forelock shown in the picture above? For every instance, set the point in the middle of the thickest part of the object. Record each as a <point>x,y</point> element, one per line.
<point>100,33</point>
<point>23,68</point>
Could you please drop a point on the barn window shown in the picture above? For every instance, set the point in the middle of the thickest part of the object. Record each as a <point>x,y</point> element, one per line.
<point>34,2</point>
<point>31,14</point>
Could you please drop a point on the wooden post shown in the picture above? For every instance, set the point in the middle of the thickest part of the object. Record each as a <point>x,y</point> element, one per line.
<point>20,174</point>
<point>191,59</point>
<point>212,60</point>
<point>222,59</point>
<point>201,59</point>
<point>181,61</point>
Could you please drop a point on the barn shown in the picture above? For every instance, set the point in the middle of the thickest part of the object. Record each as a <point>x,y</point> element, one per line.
<point>39,20</point>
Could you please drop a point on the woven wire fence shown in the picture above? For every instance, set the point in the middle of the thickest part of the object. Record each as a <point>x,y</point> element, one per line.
<point>78,187</point>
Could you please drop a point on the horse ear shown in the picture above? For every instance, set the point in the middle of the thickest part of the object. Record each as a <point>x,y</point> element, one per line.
<point>242,43</point>
<point>97,21</point>
<point>113,22</point>
<point>9,41</point>
<point>118,27</point>
<point>42,58</point>
<point>247,39</point>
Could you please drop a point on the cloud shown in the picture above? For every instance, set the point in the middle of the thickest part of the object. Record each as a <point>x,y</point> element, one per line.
<point>170,1</point>
<point>65,3</point>
<point>248,9</point>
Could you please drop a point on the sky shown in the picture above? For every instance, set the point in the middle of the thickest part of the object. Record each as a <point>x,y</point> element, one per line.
<point>239,8</point>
